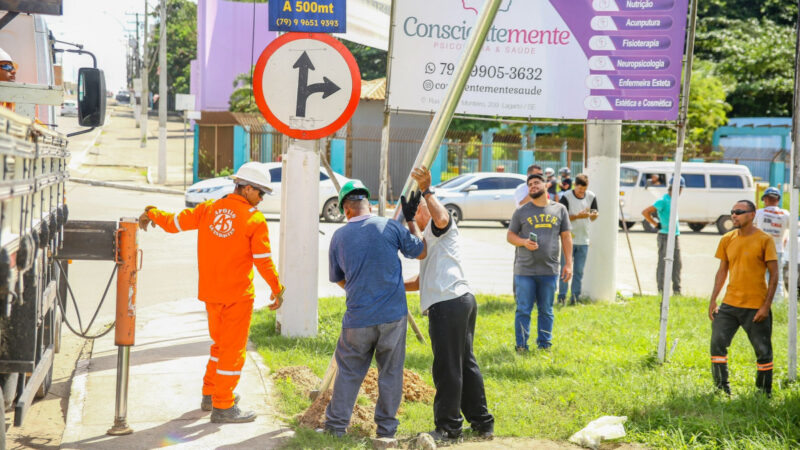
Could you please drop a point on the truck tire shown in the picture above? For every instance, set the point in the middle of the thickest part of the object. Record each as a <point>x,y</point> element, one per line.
<point>46,383</point>
<point>724,224</point>
<point>8,383</point>
<point>697,226</point>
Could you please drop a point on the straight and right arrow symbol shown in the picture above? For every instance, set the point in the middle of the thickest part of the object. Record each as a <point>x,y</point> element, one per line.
<point>327,87</point>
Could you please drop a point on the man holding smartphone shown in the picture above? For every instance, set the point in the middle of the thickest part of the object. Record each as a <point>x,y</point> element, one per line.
<point>536,266</point>
<point>581,205</point>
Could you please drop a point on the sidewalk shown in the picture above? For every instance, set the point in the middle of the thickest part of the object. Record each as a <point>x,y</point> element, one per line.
<point>116,154</point>
<point>167,366</point>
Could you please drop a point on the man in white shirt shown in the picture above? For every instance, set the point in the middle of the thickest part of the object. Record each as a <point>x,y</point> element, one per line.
<point>447,300</point>
<point>581,205</point>
<point>521,195</point>
<point>774,220</point>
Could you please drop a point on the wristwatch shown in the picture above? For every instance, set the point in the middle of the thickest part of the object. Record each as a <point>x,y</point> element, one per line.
<point>427,191</point>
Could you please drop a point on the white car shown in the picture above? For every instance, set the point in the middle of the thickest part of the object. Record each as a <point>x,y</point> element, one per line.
<point>69,108</point>
<point>480,196</point>
<point>219,187</point>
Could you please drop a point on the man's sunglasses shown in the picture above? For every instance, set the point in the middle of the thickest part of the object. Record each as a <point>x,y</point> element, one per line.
<point>8,67</point>
<point>739,212</point>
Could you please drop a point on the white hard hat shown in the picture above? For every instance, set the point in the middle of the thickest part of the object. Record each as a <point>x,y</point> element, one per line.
<point>255,174</point>
<point>549,171</point>
<point>4,56</point>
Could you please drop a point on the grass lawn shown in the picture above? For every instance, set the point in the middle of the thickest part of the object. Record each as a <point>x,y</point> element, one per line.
<point>602,363</point>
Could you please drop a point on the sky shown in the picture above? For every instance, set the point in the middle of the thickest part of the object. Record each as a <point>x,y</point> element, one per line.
<point>100,25</point>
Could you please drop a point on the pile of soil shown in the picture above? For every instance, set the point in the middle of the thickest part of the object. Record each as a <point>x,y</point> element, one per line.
<point>301,376</point>
<point>414,387</point>
<point>362,422</point>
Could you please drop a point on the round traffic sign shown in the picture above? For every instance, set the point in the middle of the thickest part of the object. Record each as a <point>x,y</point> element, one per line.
<point>307,85</point>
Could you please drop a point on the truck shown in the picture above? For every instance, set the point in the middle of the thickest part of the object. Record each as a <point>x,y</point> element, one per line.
<point>33,209</point>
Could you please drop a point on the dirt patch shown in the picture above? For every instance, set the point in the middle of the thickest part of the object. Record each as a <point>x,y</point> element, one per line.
<point>301,376</point>
<point>414,390</point>
<point>361,422</point>
<point>414,387</point>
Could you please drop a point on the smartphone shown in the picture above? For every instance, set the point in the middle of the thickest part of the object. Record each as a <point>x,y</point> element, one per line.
<point>533,237</point>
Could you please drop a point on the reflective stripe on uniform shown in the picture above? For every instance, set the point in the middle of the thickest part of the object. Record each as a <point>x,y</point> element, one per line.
<point>252,209</point>
<point>177,224</point>
<point>719,359</point>
<point>763,367</point>
<point>262,255</point>
<point>229,372</point>
<point>213,358</point>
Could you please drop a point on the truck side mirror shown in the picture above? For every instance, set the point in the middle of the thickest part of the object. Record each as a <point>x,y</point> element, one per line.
<point>91,97</point>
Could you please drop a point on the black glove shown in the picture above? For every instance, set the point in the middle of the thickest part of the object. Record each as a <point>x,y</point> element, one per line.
<point>410,206</point>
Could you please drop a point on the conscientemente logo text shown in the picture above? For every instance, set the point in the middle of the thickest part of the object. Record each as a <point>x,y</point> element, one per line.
<point>413,27</point>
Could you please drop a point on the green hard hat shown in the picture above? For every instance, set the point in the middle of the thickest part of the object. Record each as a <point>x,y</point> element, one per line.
<point>348,188</point>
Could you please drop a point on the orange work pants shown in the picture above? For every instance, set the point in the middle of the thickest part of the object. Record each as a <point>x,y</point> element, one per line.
<point>228,326</point>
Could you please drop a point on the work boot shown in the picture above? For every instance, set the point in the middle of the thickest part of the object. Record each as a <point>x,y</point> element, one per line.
<point>207,405</point>
<point>764,382</point>
<point>720,372</point>
<point>232,415</point>
<point>439,436</point>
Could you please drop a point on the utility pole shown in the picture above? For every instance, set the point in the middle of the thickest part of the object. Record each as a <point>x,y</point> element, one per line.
<point>387,116</point>
<point>163,96</point>
<point>145,84</point>
<point>793,199</point>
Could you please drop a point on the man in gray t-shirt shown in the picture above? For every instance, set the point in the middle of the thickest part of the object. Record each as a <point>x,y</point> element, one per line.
<point>538,229</point>
<point>446,299</point>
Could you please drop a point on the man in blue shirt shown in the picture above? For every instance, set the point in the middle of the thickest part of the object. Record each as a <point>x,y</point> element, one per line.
<point>363,260</point>
<point>662,208</point>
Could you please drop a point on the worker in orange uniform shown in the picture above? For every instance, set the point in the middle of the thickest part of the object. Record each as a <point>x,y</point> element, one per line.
<point>8,72</point>
<point>232,235</point>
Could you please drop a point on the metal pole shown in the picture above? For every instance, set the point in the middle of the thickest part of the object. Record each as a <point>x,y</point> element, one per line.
<point>630,248</point>
<point>163,96</point>
<point>145,100</point>
<point>184,150</point>
<point>441,121</point>
<point>676,185</point>
<point>127,259</point>
<point>793,199</point>
<point>121,404</point>
<point>387,116</point>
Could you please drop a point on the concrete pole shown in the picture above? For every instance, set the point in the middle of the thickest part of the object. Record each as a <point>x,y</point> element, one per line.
<point>603,141</point>
<point>299,263</point>
<point>145,84</point>
<point>387,118</point>
<point>163,96</point>
<point>794,197</point>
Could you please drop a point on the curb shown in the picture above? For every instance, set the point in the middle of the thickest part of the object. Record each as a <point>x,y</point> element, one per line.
<point>77,396</point>
<point>129,187</point>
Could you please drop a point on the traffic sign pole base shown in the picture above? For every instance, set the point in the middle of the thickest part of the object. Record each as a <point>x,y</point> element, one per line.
<point>120,428</point>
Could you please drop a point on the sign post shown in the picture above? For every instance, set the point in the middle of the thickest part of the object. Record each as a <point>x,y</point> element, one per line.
<point>185,103</point>
<point>307,86</point>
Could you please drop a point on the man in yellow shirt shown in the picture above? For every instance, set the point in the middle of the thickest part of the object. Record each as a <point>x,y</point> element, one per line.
<point>746,253</point>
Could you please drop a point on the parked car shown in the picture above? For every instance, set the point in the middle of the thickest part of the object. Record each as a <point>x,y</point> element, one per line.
<point>711,189</point>
<point>123,97</point>
<point>69,108</point>
<point>480,196</point>
<point>219,187</point>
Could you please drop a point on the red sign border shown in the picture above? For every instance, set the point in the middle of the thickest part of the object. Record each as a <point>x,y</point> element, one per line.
<point>258,91</point>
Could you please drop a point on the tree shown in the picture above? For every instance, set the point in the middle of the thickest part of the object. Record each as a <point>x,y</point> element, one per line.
<point>756,58</point>
<point>371,61</point>
<point>242,96</point>
<point>181,47</point>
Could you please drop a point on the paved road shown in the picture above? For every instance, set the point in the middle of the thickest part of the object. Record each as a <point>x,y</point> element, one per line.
<point>169,268</point>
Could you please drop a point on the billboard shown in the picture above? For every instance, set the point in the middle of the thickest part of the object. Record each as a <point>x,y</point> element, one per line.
<point>568,59</point>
